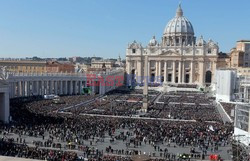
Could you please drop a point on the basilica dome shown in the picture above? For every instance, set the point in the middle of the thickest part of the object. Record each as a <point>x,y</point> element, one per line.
<point>179,25</point>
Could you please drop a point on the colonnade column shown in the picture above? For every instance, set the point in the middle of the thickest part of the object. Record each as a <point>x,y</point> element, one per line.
<point>18,88</point>
<point>71,87</point>
<point>56,88</point>
<point>61,87</point>
<point>23,88</point>
<point>14,89</point>
<point>37,87</point>
<point>66,88</point>
<point>75,87</point>
<point>174,72</point>
<point>4,106</point>
<point>50,87</point>
<point>28,88</point>
<point>10,89</point>
<point>80,87</point>
<point>42,87</point>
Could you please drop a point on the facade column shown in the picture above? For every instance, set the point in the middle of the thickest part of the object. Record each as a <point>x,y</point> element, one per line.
<point>201,72</point>
<point>129,67</point>
<point>139,72</point>
<point>160,69</point>
<point>191,75</point>
<point>183,80</point>
<point>129,77</point>
<point>213,71</point>
<point>156,71</point>
<point>174,72</point>
<point>149,73</point>
<point>165,72</point>
<point>180,72</point>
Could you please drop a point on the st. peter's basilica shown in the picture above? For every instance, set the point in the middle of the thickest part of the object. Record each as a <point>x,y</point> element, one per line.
<point>178,58</point>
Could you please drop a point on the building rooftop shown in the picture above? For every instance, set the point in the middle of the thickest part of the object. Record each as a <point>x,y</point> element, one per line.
<point>244,41</point>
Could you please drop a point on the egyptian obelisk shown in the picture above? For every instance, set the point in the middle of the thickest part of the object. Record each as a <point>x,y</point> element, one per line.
<point>145,89</point>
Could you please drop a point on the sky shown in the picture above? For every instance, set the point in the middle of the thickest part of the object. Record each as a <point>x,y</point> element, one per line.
<point>66,28</point>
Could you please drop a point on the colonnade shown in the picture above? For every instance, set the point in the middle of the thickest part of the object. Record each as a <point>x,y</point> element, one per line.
<point>4,102</point>
<point>26,87</point>
<point>34,84</point>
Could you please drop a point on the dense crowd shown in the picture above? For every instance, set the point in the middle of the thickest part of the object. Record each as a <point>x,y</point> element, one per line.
<point>240,152</point>
<point>185,106</point>
<point>56,134</point>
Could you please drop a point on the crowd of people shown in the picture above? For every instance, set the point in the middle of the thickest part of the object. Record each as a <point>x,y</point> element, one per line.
<point>36,132</point>
<point>185,106</point>
<point>228,107</point>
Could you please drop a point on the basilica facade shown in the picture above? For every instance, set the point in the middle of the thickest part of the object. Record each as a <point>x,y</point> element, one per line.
<point>179,58</point>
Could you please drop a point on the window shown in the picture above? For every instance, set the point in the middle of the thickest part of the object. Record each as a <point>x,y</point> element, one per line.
<point>133,51</point>
<point>246,56</point>
<point>209,51</point>
<point>177,41</point>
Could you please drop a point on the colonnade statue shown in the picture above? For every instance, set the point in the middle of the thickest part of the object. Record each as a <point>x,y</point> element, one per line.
<point>3,73</point>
